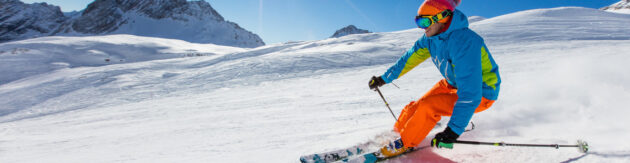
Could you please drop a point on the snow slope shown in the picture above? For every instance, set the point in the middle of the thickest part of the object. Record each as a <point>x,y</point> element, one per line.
<point>43,55</point>
<point>622,11</point>
<point>473,19</point>
<point>278,102</point>
<point>564,23</point>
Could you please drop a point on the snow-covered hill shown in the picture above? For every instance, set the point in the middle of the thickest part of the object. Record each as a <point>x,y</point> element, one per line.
<point>193,21</point>
<point>47,54</point>
<point>564,23</point>
<point>275,103</point>
<point>473,19</point>
<point>622,6</point>
<point>348,30</point>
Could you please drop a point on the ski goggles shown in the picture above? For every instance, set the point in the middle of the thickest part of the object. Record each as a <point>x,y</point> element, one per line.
<point>424,21</point>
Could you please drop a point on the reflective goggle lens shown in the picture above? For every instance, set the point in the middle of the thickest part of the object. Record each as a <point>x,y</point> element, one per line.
<point>424,22</point>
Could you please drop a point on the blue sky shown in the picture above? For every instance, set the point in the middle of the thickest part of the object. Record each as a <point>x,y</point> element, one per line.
<point>278,21</point>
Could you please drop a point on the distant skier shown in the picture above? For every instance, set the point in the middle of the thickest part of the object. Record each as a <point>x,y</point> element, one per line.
<point>471,78</point>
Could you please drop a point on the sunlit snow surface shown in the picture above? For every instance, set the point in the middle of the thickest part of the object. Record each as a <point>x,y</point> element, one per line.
<point>278,102</point>
<point>621,11</point>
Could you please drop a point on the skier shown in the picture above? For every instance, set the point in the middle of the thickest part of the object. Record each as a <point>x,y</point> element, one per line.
<point>470,85</point>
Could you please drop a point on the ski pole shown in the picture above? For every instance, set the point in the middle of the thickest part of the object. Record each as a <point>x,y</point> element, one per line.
<point>386,104</point>
<point>395,85</point>
<point>582,145</point>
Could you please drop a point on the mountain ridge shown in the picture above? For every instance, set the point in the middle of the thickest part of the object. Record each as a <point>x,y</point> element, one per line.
<point>622,7</point>
<point>193,21</point>
<point>623,4</point>
<point>348,30</point>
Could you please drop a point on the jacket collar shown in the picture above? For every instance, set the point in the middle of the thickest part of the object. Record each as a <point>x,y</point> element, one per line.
<point>459,21</point>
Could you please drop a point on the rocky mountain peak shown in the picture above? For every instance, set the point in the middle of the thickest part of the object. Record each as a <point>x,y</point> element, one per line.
<point>193,21</point>
<point>157,9</point>
<point>19,20</point>
<point>103,16</point>
<point>348,30</point>
<point>623,4</point>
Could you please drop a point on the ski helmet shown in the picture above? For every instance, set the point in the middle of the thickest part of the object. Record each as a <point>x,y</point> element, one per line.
<point>433,7</point>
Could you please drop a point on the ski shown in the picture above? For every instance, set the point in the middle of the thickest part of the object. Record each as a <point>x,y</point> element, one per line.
<point>376,156</point>
<point>334,155</point>
<point>365,158</point>
<point>354,151</point>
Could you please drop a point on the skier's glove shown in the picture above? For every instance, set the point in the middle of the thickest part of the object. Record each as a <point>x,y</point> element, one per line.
<point>376,82</point>
<point>444,139</point>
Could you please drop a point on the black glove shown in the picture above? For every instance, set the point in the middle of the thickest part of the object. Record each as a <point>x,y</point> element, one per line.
<point>376,82</point>
<point>444,139</point>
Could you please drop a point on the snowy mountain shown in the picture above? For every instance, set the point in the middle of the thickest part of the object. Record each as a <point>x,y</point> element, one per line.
<point>473,19</point>
<point>22,21</point>
<point>348,30</point>
<point>622,6</point>
<point>278,102</point>
<point>193,21</point>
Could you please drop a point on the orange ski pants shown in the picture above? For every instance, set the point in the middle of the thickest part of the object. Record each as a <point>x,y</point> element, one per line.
<point>418,118</point>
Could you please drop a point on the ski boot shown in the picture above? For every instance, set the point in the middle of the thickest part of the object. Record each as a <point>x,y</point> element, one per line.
<point>394,148</point>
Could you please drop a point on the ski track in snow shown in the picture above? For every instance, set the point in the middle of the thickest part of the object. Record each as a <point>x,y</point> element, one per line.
<point>278,102</point>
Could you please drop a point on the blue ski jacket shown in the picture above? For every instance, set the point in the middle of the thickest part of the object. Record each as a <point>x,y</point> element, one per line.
<point>463,60</point>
